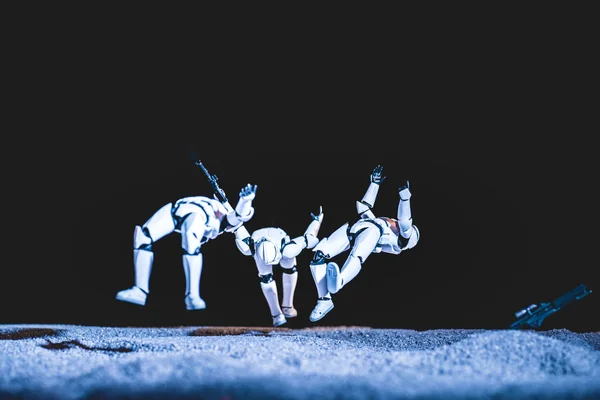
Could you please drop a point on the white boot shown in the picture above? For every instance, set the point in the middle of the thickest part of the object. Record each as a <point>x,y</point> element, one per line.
<point>289,312</point>
<point>142,267</point>
<point>289,282</point>
<point>270,292</point>
<point>324,305</point>
<point>337,279</point>
<point>279,320</point>
<point>192,267</point>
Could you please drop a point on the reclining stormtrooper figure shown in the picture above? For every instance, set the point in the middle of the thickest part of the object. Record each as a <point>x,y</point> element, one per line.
<point>368,235</point>
<point>198,219</point>
<point>271,246</point>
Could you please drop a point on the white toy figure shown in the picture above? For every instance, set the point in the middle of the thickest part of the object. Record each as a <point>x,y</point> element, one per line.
<point>271,246</point>
<point>198,219</point>
<point>368,235</point>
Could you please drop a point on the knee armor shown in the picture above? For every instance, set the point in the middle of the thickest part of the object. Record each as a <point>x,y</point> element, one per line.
<point>265,278</point>
<point>318,258</point>
<point>142,239</point>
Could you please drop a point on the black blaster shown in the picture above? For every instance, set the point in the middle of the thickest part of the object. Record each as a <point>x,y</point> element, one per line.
<point>212,179</point>
<point>533,316</point>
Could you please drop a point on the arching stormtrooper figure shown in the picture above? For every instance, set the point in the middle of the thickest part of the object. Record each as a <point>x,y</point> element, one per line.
<point>271,246</point>
<point>198,219</point>
<point>370,234</point>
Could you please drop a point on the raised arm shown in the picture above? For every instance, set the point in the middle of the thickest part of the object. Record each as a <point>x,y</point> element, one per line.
<point>308,240</point>
<point>364,206</point>
<point>409,234</point>
<point>404,212</point>
<point>243,210</point>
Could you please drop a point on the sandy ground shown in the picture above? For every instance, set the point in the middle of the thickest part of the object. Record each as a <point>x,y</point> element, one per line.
<point>227,363</point>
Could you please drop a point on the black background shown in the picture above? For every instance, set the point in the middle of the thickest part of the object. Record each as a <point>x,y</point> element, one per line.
<point>503,183</point>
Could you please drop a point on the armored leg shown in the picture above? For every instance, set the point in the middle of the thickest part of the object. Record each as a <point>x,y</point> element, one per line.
<point>289,279</point>
<point>269,289</point>
<point>364,244</point>
<point>158,226</point>
<point>327,248</point>
<point>192,267</point>
<point>192,232</point>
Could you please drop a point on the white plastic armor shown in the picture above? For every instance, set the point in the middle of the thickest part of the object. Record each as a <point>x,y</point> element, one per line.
<point>198,219</point>
<point>369,234</point>
<point>272,246</point>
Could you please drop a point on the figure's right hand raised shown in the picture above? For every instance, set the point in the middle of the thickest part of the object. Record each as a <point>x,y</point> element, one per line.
<point>376,175</point>
<point>404,191</point>
<point>248,192</point>
<point>318,217</point>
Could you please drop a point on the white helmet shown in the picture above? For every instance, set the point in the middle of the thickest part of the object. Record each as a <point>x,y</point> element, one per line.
<point>267,251</point>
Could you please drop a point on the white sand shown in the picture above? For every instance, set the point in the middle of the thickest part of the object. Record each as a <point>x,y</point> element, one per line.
<point>340,363</point>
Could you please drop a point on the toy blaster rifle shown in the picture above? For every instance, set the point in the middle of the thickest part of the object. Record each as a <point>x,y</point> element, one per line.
<point>212,179</point>
<point>534,315</point>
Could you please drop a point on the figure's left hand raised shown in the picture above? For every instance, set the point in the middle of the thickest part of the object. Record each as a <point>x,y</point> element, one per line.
<point>248,192</point>
<point>318,217</point>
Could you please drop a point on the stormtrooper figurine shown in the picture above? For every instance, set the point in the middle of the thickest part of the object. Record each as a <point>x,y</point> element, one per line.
<point>368,235</point>
<point>198,219</point>
<point>271,246</point>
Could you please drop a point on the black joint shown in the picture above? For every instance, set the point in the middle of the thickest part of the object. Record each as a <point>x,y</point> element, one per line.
<point>367,204</point>
<point>324,298</point>
<point>289,270</point>
<point>266,278</point>
<point>285,244</point>
<point>305,240</point>
<point>179,220</point>
<point>146,246</point>
<point>318,258</point>
<point>250,243</point>
<point>402,242</point>
<point>146,232</point>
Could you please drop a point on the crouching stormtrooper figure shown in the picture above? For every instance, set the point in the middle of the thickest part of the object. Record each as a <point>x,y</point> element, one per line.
<point>198,219</point>
<point>368,235</point>
<point>271,246</point>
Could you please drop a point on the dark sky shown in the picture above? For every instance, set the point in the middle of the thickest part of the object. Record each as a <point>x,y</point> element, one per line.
<point>504,186</point>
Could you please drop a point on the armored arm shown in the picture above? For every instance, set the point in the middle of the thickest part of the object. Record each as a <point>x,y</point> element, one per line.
<point>243,241</point>
<point>364,206</point>
<point>243,210</point>
<point>404,212</point>
<point>312,231</point>
<point>308,240</point>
